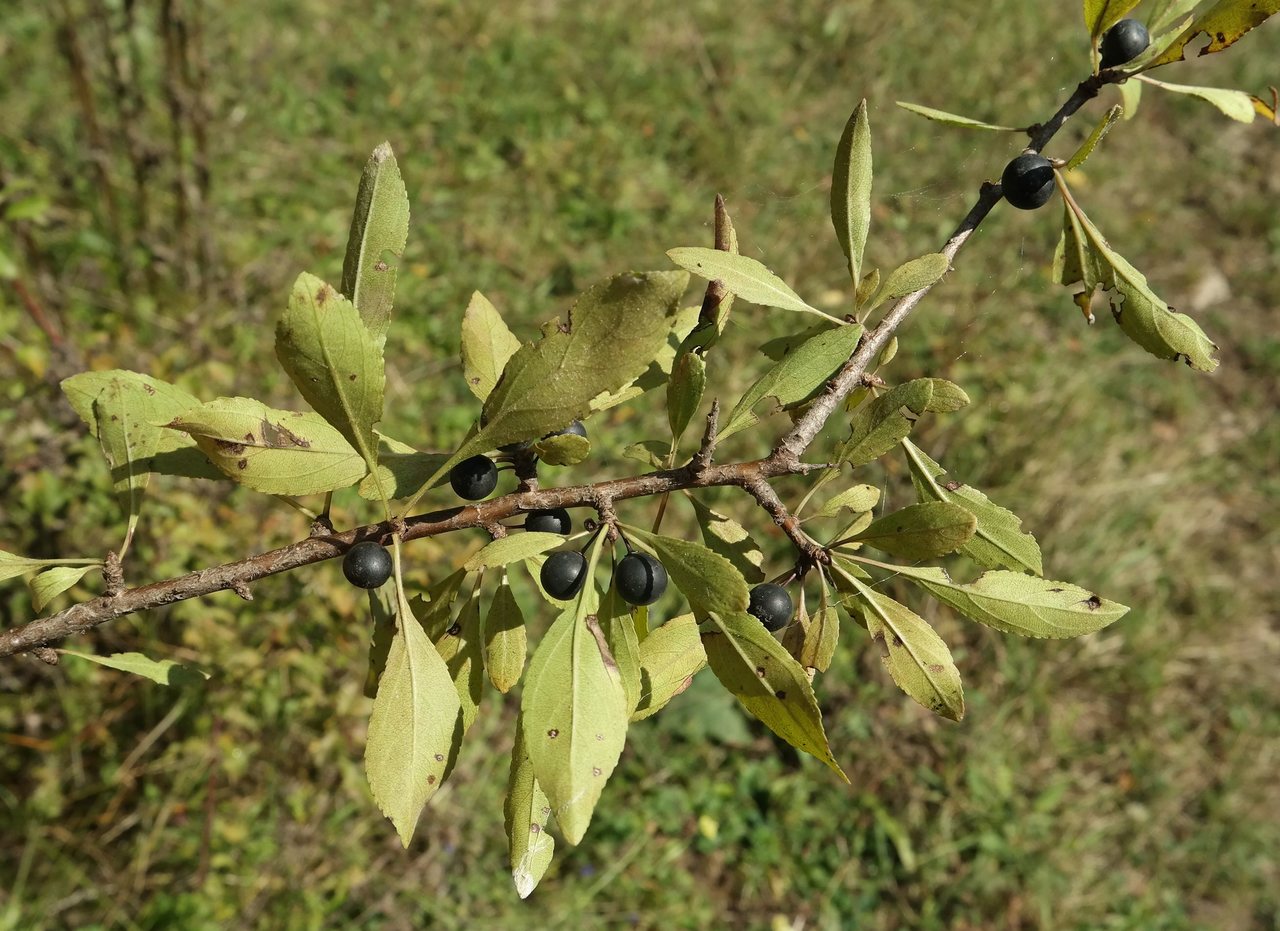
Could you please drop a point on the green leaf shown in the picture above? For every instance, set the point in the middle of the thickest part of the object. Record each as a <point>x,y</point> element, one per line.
<point>379,231</point>
<point>382,612</point>
<point>563,449</point>
<point>812,640</point>
<point>797,377</point>
<point>1236,104</point>
<point>128,442</point>
<point>650,452</point>
<point>659,371</point>
<point>768,682</point>
<point>400,475</point>
<point>879,426</point>
<point>526,811</point>
<point>277,452</point>
<point>1164,13</point>
<point>411,730</point>
<point>12,565</point>
<point>851,189</point>
<point>575,711</point>
<point>163,671</point>
<point>684,391</point>
<point>916,657</point>
<point>1086,148</point>
<point>513,548</point>
<point>952,119</point>
<point>921,531</point>
<point>51,583</point>
<point>858,499</point>
<point>334,360</point>
<point>947,397</point>
<point>999,540</point>
<point>744,276</point>
<point>505,640</point>
<point>1131,96</point>
<point>1101,15</point>
<point>1161,39</point>
<point>669,659</point>
<point>1225,23</point>
<point>461,647</point>
<point>728,538</point>
<point>624,646</point>
<point>1020,604</point>
<point>910,277</point>
<point>711,583</point>
<point>487,345</point>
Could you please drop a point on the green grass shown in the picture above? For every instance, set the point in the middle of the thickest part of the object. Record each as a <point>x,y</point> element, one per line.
<point>1122,781</point>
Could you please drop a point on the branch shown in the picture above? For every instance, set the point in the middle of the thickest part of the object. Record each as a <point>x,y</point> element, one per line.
<point>699,473</point>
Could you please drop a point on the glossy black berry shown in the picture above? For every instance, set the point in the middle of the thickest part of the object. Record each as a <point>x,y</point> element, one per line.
<point>563,574</point>
<point>474,478</point>
<point>556,520</point>
<point>574,429</point>
<point>640,579</point>
<point>771,605</point>
<point>367,565</point>
<point>1124,42</point>
<point>1027,181</point>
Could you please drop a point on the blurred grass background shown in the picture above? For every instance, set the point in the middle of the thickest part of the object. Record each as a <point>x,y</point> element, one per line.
<point>1126,780</point>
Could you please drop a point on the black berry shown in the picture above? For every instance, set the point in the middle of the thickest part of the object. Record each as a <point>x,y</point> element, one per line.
<point>574,429</point>
<point>556,520</point>
<point>640,579</point>
<point>1027,181</point>
<point>474,478</point>
<point>1124,41</point>
<point>367,565</point>
<point>771,605</point>
<point>563,574</point>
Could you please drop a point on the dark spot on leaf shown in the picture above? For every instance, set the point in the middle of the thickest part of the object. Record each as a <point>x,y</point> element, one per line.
<point>380,267</point>
<point>474,381</point>
<point>242,464</point>
<point>454,630</point>
<point>596,771</point>
<point>937,667</point>
<point>431,780</point>
<point>148,389</point>
<point>323,294</point>
<point>953,486</point>
<point>226,446</point>
<point>351,377</point>
<point>1055,590</point>
<point>760,671</point>
<point>1093,602</point>
<point>895,640</point>
<point>114,417</point>
<point>278,436</point>
<point>553,733</point>
<point>439,757</point>
<point>546,810</point>
<point>780,694</point>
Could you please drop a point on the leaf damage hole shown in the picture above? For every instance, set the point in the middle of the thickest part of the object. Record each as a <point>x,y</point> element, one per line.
<point>439,757</point>
<point>760,671</point>
<point>780,694</point>
<point>431,780</point>
<point>596,770</point>
<point>553,733</point>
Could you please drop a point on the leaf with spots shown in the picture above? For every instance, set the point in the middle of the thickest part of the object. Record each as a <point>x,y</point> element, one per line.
<point>669,659</point>
<point>411,731</point>
<point>272,451</point>
<point>461,646</point>
<point>526,811</point>
<point>916,657</point>
<point>505,640</point>
<point>487,344</point>
<point>711,583</point>
<point>379,231</point>
<point>575,710</point>
<point>880,425</point>
<point>1224,23</point>
<point>812,639</point>
<point>768,682</point>
<point>921,531</point>
<point>1020,604</point>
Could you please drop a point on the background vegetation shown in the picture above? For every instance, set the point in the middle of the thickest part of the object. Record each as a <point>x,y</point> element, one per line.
<point>1122,781</point>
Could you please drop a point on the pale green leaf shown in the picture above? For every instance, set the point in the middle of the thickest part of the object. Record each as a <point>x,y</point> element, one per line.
<point>650,452</point>
<point>12,565</point>
<point>797,377</point>
<point>513,548</point>
<point>163,671</point>
<point>921,531</point>
<point>382,613</point>
<point>767,681</point>
<point>562,449</point>
<point>744,276</point>
<point>659,370</point>
<point>999,540</point>
<point>909,277</point>
<point>400,475</point>
<point>411,730</point>
<point>952,119</point>
<point>916,657</point>
<point>272,451</point>
<point>1101,15</point>
<point>624,646</point>
<point>461,647</point>
<point>505,640</point>
<point>669,659</point>
<point>684,390</point>
<point>1236,104</point>
<point>526,811</point>
<point>379,231</point>
<point>812,639</point>
<point>487,344</point>
<point>859,498</point>
<point>1162,14</point>
<point>851,189</point>
<point>728,538</point>
<point>51,583</point>
<point>1086,148</point>
<point>711,583</point>
<point>129,442</point>
<point>1131,96</point>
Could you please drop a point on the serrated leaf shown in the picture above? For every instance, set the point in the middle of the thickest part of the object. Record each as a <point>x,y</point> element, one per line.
<point>745,277</point>
<point>710,582</point>
<point>812,639</point>
<point>669,659</point>
<point>1225,23</point>
<point>650,452</point>
<point>505,640</point>
<point>851,189</point>
<point>952,119</point>
<point>1236,104</point>
<point>684,391</point>
<point>272,451</point>
<point>910,277</point>
<point>51,583</point>
<point>624,646</point>
<point>575,711</point>
<point>768,682</point>
<point>879,426</point>
<point>728,538</point>
<point>999,540</point>
<point>411,729</point>
<point>916,657</point>
<point>562,449</point>
<point>859,498</point>
<point>163,671</point>
<point>1099,131</point>
<point>1101,15</point>
<point>513,548</point>
<point>487,345</point>
<point>659,370</point>
<point>797,377</point>
<point>1020,604</point>
<point>921,531</point>
<point>526,811</point>
<point>379,231</point>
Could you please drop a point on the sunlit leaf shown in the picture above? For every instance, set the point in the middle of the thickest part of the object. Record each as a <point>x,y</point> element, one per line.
<point>1236,104</point>
<point>513,548</point>
<point>728,538</point>
<point>504,639</point>
<point>744,276</point>
<point>461,647</point>
<point>910,277</point>
<point>1224,23</point>
<point>1086,148</point>
<point>650,452</point>
<point>879,426</point>
<point>684,391</point>
<point>620,637</point>
<point>163,671</point>
<point>669,659</point>
<point>812,639</point>
<point>921,531</point>
<point>952,119</point>
<point>711,583</point>
<point>1101,15</point>
<point>562,449</point>
<point>526,811</point>
<point>51,583</point>
<point>859,498</point>
<point>851,189</point>
<point>400,475</point>
<point>487,344</point>
<point>382,612</point>
<point>379,231</point>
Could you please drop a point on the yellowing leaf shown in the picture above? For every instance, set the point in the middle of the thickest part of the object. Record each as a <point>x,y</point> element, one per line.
<point>728,538</point>
<point>487,344</point>
<point>952,119</point>
<point>526,812</point>
<point>1225,23</point>
<point>669,659</point>
<point>1101,15</point>
<point>1236,104</point>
